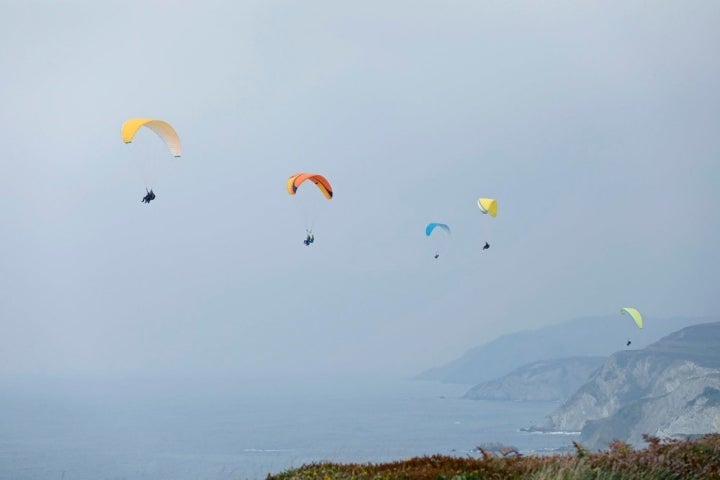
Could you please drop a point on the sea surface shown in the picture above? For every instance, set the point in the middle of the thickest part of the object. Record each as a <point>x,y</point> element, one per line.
<point>231,429</point>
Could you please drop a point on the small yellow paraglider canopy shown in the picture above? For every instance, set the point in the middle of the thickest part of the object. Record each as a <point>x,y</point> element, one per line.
<point>634,314</point>
<point>488,206</point>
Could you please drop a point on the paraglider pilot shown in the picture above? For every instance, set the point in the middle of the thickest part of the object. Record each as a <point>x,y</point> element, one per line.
<point>486,246</point>
<point>310,238</point>
<point>149,196</point>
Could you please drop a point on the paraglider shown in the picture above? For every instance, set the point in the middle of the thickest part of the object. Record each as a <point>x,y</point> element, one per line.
<point>149,196</point>
<point>635,316</point>
<point>488,206</point>
<point>322,183</point>
<point>163,130</point>
<point>309,239</point>
<point>431,227</point>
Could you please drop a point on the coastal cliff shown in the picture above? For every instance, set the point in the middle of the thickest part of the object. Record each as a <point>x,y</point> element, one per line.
<point>546,380</point>
<point>669,389</point>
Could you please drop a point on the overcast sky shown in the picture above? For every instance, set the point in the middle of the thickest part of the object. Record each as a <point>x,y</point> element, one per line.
<point>596,125</point>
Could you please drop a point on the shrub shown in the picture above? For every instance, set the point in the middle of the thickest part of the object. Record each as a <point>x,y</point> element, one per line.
<point>661,460</point>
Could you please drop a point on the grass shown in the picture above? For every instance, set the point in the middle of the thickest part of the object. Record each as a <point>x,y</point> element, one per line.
<point>661,460</point>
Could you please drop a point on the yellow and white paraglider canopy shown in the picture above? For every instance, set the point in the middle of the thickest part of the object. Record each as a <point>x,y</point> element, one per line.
<point>488,206</point>
<point>162,128</point>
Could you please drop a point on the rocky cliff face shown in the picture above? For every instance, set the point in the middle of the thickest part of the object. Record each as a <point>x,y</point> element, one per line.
<point>670,388</point>
<point>539,381</point>
<point>683,412</point>
<point>595,336</point>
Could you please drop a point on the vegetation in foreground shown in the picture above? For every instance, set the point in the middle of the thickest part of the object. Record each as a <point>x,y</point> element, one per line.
<point>661,459</point>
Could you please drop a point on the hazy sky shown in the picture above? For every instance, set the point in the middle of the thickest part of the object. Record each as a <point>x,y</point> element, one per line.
<point>596,125</point>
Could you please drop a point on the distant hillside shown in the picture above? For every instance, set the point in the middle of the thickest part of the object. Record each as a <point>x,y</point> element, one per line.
<point>596,336</point>
<point>545,380</point>
<point>671,388</point>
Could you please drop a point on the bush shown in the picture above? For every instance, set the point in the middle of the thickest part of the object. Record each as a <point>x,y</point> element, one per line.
<point>662,460</point>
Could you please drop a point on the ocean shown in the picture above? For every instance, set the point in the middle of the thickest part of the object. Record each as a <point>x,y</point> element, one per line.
<point>232,429</point>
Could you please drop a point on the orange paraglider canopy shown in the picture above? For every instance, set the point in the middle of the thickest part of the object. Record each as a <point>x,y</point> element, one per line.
<point>294,182</point>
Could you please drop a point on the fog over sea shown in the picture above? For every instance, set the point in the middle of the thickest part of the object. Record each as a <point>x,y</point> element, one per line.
<point>242,429</point>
